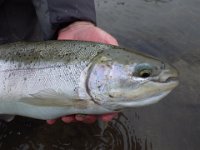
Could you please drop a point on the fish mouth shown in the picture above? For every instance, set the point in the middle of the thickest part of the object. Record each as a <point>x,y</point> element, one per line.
<point>170,79</point>
<point>161,90</point>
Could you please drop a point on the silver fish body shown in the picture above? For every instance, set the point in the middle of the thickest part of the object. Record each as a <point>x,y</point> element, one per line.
<point>46,80</point>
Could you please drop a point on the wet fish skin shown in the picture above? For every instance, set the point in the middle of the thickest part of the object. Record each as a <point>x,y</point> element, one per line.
<point>46,80</point>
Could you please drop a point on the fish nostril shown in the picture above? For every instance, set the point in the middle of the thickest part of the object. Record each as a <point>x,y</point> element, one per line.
<point>162,66</point>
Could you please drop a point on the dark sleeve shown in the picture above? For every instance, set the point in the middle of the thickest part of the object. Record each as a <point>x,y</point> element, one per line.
<point>56,14</point>
<point>64,12</point>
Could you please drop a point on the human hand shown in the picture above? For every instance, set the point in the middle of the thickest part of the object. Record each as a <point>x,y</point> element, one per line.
<point>85,31</point>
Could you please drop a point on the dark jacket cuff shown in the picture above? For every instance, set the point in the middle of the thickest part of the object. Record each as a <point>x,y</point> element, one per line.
<point>64,12</point>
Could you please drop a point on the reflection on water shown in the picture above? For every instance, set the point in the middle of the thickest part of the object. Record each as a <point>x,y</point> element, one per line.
<point>25,134</point>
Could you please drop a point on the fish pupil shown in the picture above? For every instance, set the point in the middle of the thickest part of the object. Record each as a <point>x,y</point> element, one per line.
<point>145,75</point>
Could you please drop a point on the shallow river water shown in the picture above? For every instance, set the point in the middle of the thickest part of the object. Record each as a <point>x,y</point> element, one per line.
<point>168,29</point>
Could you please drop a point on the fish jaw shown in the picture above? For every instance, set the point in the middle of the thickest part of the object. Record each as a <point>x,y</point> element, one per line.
<point>148,93</point>
<point>138,102</point>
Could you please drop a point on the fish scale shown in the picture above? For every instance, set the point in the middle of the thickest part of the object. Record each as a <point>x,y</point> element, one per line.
<point>33,72</point>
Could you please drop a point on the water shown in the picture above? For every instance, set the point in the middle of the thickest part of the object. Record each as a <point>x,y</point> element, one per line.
<point>25,134</point>
<point>168,29</point>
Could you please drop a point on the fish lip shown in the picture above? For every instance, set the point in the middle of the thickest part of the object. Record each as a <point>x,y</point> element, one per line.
<point>171,79</point>
<point>168,80</point>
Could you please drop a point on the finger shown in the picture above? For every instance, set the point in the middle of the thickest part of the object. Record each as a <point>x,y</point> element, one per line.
<point>65,36</point>
<point>52,121</point>
<point>105,37</point>
<point>68,119</point>
<point>108,117</point>
<point>111,40</point>
<point>86,118</point>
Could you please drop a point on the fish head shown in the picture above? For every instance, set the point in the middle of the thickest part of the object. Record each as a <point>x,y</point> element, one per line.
<point>120,78</point>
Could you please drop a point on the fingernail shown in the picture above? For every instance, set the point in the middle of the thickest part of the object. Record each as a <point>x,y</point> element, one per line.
<point>50,122</point>
<point>68,119</point>
<point>80,117</point>
<point>90,119</point>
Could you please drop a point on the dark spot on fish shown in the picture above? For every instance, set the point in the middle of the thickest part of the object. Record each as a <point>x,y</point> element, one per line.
<point>99,87</point>
<point>98,52</point>
<point>25,78</point>
<point>109,66</point>
<point>111,96</point>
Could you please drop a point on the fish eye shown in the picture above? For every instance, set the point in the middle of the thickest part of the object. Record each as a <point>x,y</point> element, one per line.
<point>143,70</point>
<point>145,73</point>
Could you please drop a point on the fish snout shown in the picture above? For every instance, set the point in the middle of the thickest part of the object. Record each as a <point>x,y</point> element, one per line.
<point>168,74</point>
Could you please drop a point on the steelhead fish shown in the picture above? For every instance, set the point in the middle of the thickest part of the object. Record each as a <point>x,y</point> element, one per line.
<point>47,80</point>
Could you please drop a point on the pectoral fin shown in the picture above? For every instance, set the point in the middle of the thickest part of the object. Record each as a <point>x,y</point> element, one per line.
<point>52,98</point>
